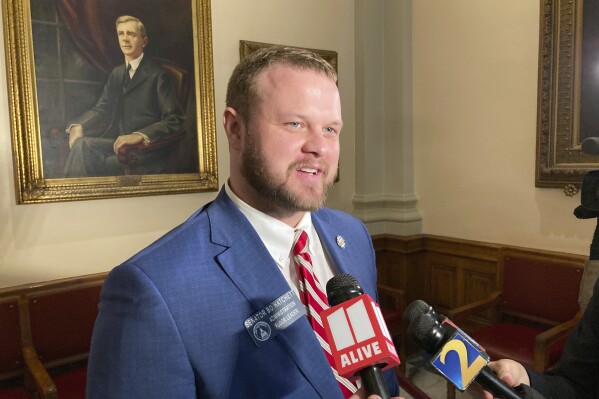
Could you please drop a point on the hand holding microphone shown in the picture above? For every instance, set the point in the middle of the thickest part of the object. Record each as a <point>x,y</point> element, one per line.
<point>443,340</point>
<point>513,373</point>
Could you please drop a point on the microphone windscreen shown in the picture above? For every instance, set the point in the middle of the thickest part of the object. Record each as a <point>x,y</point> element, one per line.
<point>420,329</point>
<point>341,288</point>
<point>413,310</point>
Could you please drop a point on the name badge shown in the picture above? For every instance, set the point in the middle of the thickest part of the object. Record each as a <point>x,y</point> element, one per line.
<point>274,318</point>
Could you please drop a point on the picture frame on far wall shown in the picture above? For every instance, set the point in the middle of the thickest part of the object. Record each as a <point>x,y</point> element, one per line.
<point>247,47</point>
<point>568,93</point>
<point>62,57</point>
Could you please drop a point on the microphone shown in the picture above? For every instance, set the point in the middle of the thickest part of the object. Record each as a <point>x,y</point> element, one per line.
<point>456,356</point>
<point>419,307</point>
<point>590,145</point>
<point>358,336</point>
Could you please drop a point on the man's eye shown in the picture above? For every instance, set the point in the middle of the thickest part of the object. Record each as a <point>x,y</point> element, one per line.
<point>294,124</point>
<point>330,130</point>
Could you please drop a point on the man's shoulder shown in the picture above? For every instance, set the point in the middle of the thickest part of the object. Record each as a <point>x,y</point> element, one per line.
<point>146,65</point>
<point>186,237</point>
<point>192,238</point>
<point>149,66</point>
<point>335,216</point>
<point>333,223</point>
<point>119,69</point>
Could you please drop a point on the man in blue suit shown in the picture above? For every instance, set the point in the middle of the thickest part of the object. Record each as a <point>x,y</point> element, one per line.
<point>174,320</point>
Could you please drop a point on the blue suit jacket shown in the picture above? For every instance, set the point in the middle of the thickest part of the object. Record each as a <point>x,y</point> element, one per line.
<point>171,319</point>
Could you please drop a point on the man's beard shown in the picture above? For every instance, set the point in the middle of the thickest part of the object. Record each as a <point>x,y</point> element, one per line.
<point>255,171</point>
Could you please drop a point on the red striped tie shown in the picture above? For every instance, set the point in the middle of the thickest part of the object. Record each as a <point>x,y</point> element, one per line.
<point>315,300</point>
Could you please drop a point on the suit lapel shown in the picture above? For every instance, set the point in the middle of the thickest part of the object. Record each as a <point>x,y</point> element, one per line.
<point>349,249</point>
<point>251,268</point>
<point>140,75</point>
<point>329,235</point>
<point>246,260</point>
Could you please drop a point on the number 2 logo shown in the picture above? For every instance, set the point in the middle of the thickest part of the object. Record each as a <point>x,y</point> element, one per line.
<point>468,371</point>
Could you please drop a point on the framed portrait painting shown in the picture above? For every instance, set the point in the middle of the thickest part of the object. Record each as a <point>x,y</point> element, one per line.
<point>246,47</point>
<point>568,92</point>
<point>110,98</point>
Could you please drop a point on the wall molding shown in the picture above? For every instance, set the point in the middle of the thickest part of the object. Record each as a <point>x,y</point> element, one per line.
<point>389,213</point>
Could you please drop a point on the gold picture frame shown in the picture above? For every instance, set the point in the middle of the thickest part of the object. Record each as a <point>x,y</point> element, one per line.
<point>34,182</point>
<point>560,161</point>
<point>247,47</point>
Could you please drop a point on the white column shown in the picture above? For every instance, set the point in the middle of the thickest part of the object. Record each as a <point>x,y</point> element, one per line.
<point>385,198</point>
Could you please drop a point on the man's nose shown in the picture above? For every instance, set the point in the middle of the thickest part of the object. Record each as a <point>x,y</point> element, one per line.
<point>316,142</point>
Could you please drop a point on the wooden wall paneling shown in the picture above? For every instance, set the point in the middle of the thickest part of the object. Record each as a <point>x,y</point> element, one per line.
<point>419,273</point>
<point>479,285</point>
<point>474,263</point>
<point>449,272</point>
<point>401,264</point>
<point>480,279</point>
<point>462,248</point>
<point>444,280</point>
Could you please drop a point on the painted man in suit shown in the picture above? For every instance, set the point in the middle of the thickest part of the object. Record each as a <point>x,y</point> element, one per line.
<point>175,321</point>
<point>138,103</point>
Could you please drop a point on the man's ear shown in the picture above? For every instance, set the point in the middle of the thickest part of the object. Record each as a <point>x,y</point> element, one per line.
<point>234,127</point>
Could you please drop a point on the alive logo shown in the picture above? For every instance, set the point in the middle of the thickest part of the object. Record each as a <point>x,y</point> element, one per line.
<point>358,336</point>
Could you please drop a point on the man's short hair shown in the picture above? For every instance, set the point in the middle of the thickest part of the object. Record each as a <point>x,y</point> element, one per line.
<point>241,90</point>
<point>128,18</point>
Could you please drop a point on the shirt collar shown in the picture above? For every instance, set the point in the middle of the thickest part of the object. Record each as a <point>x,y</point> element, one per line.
<point>276,235</point>
<point>135,63</point>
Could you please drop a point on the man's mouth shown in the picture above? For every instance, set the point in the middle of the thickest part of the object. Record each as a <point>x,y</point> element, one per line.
<point>309,170</point>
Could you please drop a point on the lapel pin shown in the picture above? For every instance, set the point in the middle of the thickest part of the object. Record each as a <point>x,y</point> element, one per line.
<point>340,242</point>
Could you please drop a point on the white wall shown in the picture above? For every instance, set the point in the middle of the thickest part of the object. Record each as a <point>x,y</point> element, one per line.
<point>473,127</point>
<point>47,241</point>
<point>475,98</point>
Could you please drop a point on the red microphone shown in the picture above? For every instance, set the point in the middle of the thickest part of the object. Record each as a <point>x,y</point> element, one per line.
<point>358,336</point>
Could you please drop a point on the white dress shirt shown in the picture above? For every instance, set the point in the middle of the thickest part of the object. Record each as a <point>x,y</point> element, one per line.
<point>134,65</point>
<point>278,239</point>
